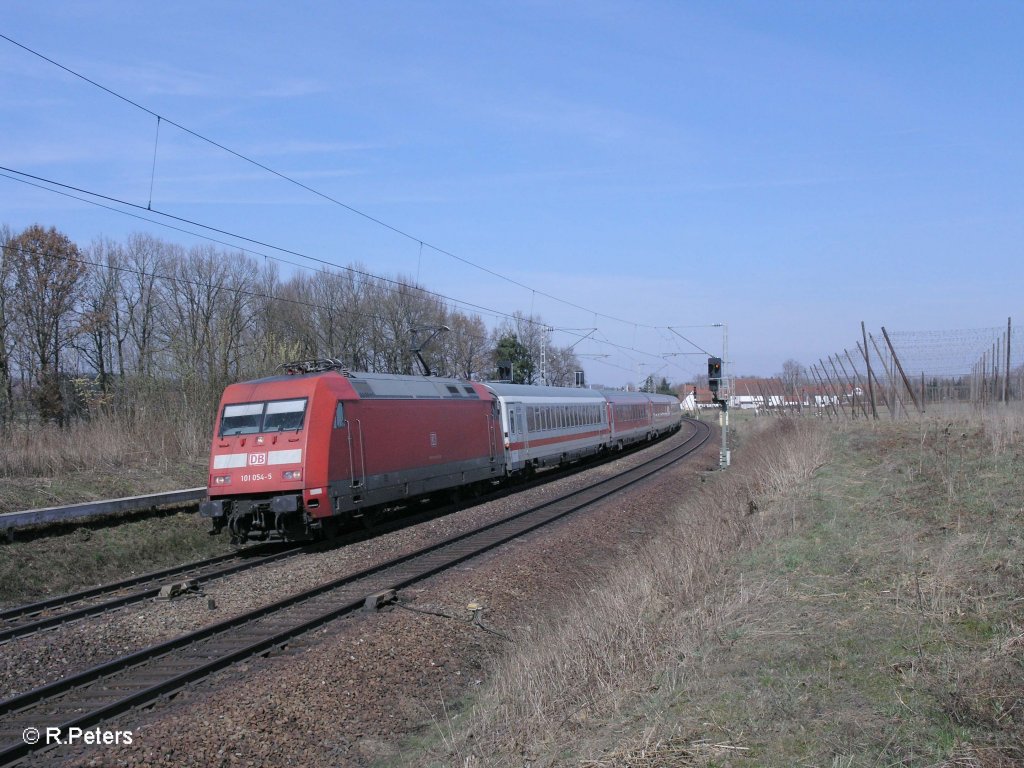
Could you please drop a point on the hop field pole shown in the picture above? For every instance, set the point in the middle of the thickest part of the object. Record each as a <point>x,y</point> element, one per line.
<point>853,383</point>
<point>783,406</point>
<point>860,384</point>
<point>867,362</point>
<point>995,370</point>
<point>903,375</point>
<point>764,397</point>
<point>1006,382</point>
<point>723,417</point>
<point>845,379</point>
<point>897,401</point>
<point>821,387</point>
<point>832,389</point>
<point>877,385</point>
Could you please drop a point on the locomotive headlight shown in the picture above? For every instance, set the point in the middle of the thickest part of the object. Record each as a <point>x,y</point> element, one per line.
<point>222,479</point>
<point>292,474</point>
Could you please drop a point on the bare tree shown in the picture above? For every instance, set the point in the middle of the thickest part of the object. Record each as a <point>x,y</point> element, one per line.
<point>342,316</point>
<point>190,298</point>
<point>466,349</point>
<point>103,324</point>
<point>282,323</point>
<point>7,335</point>
<point>396,310</point>
<point>144,263</point>
<point>562,366</point>
<point>793,374</point>
<point>48,274</point>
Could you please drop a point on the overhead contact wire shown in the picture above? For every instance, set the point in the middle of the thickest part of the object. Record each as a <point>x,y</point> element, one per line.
<point>304,186</point>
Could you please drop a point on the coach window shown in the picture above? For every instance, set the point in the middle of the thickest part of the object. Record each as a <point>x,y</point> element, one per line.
<point>339,416</point>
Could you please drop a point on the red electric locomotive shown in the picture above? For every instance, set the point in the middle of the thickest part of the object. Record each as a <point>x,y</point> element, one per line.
<point>296,454</point>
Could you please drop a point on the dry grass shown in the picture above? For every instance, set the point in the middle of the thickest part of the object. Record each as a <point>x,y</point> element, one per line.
<point>618,638</point>
<point>154,450</point>
<point>652,751</point>
<point>106,444</point>
<point>865,614</point>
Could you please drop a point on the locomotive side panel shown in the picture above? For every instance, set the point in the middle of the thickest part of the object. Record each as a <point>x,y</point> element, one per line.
<point>392,449</point>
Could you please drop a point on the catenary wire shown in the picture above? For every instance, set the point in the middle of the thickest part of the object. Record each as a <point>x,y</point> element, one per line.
<point>23,177</point>
<point>306,187</point>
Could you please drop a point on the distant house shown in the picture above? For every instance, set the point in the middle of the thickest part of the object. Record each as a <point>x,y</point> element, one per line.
<point>692,397</point>
<point>758,394</point>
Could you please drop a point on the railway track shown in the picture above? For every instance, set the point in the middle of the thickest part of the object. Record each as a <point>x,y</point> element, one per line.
<point>45,614</point>
<point>98,694</point>
<point>24,620</point>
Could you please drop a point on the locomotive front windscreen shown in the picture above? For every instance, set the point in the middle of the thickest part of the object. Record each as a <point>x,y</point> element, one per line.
<point>273,416</point>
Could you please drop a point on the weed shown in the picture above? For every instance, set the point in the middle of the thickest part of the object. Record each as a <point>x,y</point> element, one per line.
<point>877,621</point>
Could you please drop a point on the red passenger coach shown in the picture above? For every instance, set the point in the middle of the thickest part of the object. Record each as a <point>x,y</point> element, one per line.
<point>297,454</point>
<point>668,415</point>
<point>631,417</point>
<point>637,416</point>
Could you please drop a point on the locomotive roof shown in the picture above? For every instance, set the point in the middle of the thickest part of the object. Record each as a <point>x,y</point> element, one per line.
<point>392,385</point>
<point>386,385</point>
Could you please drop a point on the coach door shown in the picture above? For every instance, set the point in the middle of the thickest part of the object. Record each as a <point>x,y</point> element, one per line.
<point>493,424</point>
<point>518,435</point>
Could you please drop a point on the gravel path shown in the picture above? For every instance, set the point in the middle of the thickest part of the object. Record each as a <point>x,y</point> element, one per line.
<point>350,692</point>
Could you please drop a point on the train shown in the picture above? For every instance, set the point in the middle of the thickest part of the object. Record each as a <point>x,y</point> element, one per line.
<point>317,448</point>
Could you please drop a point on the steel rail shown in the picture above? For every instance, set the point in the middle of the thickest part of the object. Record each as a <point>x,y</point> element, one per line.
<point>27,619</point>
<point>13,626</point>
<point>97,694</point>
<point>13,623</point>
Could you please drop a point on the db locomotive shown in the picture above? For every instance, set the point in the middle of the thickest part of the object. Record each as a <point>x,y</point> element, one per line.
<point>305,453</point>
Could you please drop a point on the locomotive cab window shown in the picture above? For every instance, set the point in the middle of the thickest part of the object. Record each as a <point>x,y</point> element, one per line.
<point>242,419</point>
<point>284,415</point>
<point>252,418</point>
<point>339,416</point>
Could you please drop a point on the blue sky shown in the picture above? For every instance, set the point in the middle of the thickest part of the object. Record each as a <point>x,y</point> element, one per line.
<point>787,168</point>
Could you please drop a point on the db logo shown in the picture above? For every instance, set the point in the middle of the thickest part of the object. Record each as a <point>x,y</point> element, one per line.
<point>257,458</point>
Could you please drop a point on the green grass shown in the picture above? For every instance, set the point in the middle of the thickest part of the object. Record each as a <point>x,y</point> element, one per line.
<point>34,569</point>
<point>872,645</point>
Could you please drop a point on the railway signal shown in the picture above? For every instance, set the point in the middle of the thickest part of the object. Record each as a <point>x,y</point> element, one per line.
<point>714,376</point>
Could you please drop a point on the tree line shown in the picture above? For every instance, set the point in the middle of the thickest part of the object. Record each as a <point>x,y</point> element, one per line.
<point>124,327</point>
